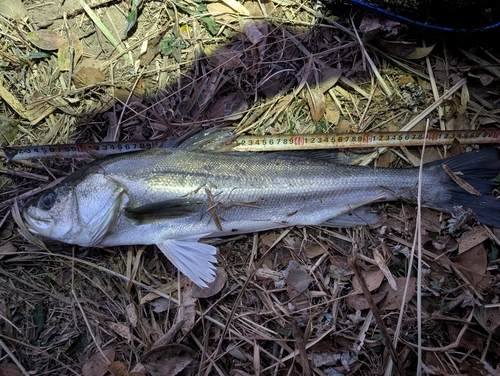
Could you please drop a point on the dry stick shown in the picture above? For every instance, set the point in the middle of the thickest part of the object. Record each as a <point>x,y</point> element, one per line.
<point>416,239</point>
<point>416,120</point>
<point>376,313</point>
<point>40,351</point>
<point>419,250</point>
<point>155,291</point>
<point>299,343</point>
<point>452,345</point>
<point>240,295</point>
<point>435,91</point>
<point>14,359</point>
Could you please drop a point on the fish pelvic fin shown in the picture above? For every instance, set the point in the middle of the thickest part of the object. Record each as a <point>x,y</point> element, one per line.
<point>477,169</point>
<point>194,259</point>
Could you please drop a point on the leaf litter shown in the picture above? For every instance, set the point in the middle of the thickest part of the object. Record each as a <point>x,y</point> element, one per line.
<point>284,302</point>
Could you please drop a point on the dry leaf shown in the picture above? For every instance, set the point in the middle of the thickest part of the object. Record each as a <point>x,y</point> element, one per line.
<point>123,95</point>
<point>316,101</point>
<point>96,364</point>
<point>475,262</point>
<point>407,50</point>
<point>237,6</point>
<point>488,318</point>
<point>268,274</point>
<point>223,57</point>
<point>87,76</point>
<point>121,330</point>
<point>7,248</point>
<point>222,12</point>
<point>64,52</point>
<point>315,250</point>
<point>373,279</point>
<point>46,39</point>
<point>471,238</point>
<point>384,268</point>
<point>187,312</point>
<point>297,278</point>
<point>359,302</point>
<point>117,368</point>
<point>332,113</point>
<point>329,77</point>
<point>9,369</point>
<point>167,360</point>
<point>250,29</point>
<point>167,289</point>
<point>395,297</point>
<point>213,287</point>
<point>230,107</point>
<point>132,314</point>
<point>13,9</point>
<point>486,79</point>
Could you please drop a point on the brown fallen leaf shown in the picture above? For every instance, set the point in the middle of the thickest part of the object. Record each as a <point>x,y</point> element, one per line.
<point>407,50</point>
<point>475,263</point>
<point>317,104</point>
<point>68,54</point>
<point>9,369</point>
<point>373,279</point>
<point>13,9</point>
<point>117,368</point>
<point>213,287</point>
<point>471,238</point>
<point>167,360</point>
<point>46,39</point>
<point>187,311</point>
<point>384,268</point>
<point>297,279</point>
<point>359,302</point>
<point>87,76</point>
<point>394,298</point>
<point>96,364</point>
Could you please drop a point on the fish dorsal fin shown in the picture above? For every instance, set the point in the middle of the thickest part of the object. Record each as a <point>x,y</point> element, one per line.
<point>194,259</point>
<point>168,209</point>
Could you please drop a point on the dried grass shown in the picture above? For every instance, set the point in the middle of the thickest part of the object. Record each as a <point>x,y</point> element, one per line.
<point>289,304</point>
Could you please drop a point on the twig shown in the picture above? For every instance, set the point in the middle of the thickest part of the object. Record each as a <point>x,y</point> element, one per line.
<point>95,18</point>
<point>14,359</point>
<point>378,318</point>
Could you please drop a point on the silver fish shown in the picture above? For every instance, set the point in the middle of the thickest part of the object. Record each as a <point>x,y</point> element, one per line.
<point>174,197</point>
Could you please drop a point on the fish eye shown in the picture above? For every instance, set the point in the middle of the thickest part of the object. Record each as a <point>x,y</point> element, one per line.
<point>48,200</point>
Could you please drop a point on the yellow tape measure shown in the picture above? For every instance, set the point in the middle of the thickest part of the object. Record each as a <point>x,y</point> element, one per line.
<point>358,140</point>
<point>263,143</point>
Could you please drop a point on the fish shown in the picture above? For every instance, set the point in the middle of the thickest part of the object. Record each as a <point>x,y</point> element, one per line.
<point>175,197</point>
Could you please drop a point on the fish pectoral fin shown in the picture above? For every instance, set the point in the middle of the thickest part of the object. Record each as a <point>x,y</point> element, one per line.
<point>194,259</point>
<point>169,209</point>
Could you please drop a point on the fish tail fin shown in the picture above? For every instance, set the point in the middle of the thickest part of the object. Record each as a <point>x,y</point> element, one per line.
<point>477,169</point>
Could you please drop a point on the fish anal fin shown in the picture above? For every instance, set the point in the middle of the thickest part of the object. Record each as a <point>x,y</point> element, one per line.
<point>169,209</point>
<point>361,216</point>
<point>194,259</point>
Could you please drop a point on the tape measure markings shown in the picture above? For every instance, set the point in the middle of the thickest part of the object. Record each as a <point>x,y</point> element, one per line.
<point>263,143</point>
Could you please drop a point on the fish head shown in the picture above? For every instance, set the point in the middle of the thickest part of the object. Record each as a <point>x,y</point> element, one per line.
<point>50,214</point>
<point>80,212</point>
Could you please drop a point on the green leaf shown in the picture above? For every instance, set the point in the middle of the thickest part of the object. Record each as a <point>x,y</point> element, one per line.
<point>132,17</point>
<point>38,55</point>
<point>211,26</point>
<point>38,316</point>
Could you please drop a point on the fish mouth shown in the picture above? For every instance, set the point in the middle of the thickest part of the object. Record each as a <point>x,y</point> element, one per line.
<point>35,223</point>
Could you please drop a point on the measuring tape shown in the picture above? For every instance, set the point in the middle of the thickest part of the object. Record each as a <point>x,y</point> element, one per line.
<point>264,143</point>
